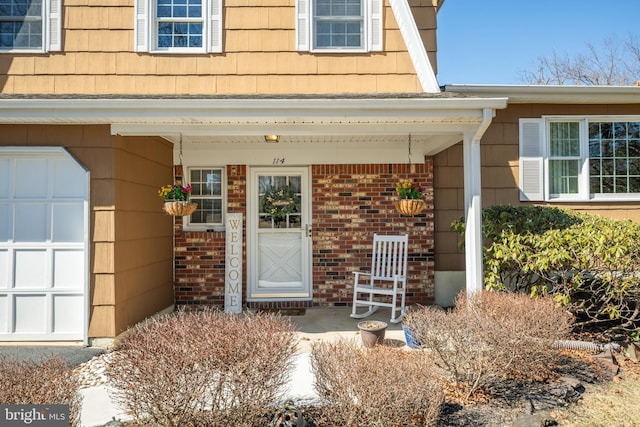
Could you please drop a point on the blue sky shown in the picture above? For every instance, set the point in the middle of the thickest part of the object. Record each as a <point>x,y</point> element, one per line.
<point>493,41</point>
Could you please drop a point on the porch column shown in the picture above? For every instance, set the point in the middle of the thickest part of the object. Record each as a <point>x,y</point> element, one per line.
<point>473,204</point>
<point>473,214</point>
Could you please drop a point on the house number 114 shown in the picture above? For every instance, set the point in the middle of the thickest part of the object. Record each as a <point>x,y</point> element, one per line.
<point>278,160</point>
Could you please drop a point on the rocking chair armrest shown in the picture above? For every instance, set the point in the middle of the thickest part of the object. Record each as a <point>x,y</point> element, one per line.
<point>363,273</point>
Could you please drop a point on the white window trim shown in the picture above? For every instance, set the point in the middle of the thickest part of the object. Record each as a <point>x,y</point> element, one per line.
<point>187,225</point>
<point>534,158</point>
<point>583,177</point>
<point>372,32</point>
<point>145,28</point>
<point>51,29</point>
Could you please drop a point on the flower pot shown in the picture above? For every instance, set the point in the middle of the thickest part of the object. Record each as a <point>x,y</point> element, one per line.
<point>372,332</point>
<point>410,207</point>
<point>410,336</point>
<point>179,208</point>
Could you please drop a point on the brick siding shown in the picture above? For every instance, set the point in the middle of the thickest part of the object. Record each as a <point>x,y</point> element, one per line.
<point>350,203</point>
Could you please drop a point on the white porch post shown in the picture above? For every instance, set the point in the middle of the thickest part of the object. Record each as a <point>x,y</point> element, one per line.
<point>473,205</point>
<point>473,214</point>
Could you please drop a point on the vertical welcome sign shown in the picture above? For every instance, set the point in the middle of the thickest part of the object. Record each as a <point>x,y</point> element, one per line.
<point>233,264</point>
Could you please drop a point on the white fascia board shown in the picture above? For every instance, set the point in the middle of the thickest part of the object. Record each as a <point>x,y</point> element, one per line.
<point>298,129</point>
<point>185,111</point>
<point>415,46</point>
<point>548,94</point>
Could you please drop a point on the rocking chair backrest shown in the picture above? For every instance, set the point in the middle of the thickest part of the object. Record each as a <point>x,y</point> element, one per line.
<point>389,257</point>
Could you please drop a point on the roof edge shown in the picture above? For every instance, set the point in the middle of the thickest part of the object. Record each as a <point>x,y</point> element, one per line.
<point>113,110</point>
<point>551,94</point>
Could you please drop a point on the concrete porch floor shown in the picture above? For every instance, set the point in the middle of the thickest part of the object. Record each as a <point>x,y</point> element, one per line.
<point>332,324</point>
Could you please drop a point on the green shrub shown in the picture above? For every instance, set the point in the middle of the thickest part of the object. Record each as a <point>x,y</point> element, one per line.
<point>587,263</point>
<point>45,382</point>
<point>202,367</point>
<point>379,386</point>
<point>521,220</point>
<point>489,336</point>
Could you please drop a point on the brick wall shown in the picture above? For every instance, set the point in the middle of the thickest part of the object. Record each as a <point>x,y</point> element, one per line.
<point>350,204</point>
<point>200,255</point>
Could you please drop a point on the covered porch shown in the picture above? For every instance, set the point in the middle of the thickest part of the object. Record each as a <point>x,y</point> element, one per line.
<point>340,142</point>
<point>360,138</point>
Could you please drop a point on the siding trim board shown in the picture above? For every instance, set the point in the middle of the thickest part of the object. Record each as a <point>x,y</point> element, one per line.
<point>415,45</point>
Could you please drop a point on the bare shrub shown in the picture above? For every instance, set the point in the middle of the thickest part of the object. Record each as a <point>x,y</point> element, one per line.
<point>380,386</point>
<point>202,367</point>
<point>523,328</point>
<point>49,381</point>
<point>489,336</point>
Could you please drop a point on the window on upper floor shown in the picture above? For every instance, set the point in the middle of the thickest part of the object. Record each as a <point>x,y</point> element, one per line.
<point>178,26</point>
<point>339,25</point>
<point>207,191</point>
<point>30,25</point>
<point>583,158</point>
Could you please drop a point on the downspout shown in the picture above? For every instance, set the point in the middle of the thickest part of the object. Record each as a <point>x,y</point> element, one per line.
<point>473,204</point>
<point>487,116</point>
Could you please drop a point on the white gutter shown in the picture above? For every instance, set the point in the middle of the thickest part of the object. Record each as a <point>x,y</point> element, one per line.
<point>548,94</point>
<point>167,110</point>
<point>415,46</point>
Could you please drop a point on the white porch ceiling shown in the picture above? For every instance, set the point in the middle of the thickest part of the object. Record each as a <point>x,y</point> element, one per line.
<point>425,144</point>
<point>435,121</point>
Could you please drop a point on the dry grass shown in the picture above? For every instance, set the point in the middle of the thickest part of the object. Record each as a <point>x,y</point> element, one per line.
<point>612,403</point>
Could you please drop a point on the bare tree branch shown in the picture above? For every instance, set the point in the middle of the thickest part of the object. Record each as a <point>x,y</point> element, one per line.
<point>610,63</point>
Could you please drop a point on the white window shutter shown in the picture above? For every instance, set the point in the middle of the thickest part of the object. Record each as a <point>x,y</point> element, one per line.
<point>376,25</point>
<point>215,26</point>
<point>54,26</point>
<point>303,18</point>
<point>142,12</point>
<point>531,160</point>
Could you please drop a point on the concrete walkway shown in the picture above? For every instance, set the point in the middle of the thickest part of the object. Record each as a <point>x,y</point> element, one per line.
<point>72,354</point>
<point>318,324</point>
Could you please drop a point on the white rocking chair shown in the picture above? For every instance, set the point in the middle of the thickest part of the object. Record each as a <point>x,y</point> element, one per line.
<point>388,278</point>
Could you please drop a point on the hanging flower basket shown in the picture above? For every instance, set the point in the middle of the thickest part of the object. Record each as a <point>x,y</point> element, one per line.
<point>176,200</point>
<point>410,202</point>
<point>410,207</point>
<point>179,208</point>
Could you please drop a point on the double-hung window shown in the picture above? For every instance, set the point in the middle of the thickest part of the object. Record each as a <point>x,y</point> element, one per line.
<point>178,26</point>
<point>207,191</point>
<point>339,25</point>
<point>30,25</point>
<point>584,158</point>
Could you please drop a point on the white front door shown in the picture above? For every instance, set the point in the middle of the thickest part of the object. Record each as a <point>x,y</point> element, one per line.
<point>279,234</point>
<point>43,245</point>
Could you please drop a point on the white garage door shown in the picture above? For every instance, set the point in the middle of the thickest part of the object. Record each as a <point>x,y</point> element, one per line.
<point>43,245</point>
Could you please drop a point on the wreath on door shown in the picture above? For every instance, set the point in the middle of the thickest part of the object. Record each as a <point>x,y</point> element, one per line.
<point>279,202</point>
